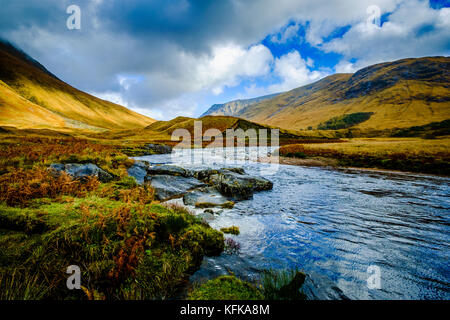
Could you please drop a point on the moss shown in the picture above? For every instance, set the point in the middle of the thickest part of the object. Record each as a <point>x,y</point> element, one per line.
<point>226,288</point>
<point>231,230</point>
<point>225,205</point>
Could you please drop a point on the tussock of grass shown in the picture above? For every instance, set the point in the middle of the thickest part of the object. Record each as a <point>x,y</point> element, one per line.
<point>231,230</point>
<point>226,288</point>
<point>283,284</point>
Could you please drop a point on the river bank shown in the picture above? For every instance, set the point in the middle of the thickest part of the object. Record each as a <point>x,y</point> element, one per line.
<point>333,164</point>
<point>428,156</point>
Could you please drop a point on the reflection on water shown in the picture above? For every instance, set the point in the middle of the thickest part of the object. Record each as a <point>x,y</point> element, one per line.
<point>334,225</point>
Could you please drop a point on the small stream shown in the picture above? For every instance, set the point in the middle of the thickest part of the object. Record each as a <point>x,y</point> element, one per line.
<point>335,224</point>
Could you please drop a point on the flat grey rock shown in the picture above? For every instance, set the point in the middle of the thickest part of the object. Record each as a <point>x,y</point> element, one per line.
<point>165,169</point>
<point>207,198</point>
<point>168,186</point>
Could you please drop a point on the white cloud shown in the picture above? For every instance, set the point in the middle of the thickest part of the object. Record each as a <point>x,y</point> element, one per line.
<point>293,71</point>
<point>345,67</point>
<point>413,30</point>
<point>229,63</point>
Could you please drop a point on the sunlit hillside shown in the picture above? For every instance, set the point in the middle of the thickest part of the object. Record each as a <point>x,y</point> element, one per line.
<point>31,97</point>
<point>400,94</point>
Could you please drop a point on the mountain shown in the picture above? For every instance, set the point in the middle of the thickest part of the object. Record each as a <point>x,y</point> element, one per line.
<point>399,94</point>
<point>234,107</point>
<point>32,97</point>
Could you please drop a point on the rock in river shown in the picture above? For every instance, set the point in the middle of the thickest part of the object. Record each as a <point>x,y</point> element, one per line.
<point>237,185</point>
<point>167,186</point>
<point>207,198</point>
<point>167,170</point>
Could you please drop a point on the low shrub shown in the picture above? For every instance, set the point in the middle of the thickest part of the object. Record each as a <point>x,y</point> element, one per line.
<point>18,187</point>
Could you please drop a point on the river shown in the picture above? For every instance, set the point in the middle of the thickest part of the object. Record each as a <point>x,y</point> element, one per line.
<point>334,225</point>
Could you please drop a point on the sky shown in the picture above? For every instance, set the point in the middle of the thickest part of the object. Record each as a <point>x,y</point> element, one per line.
<point>169,58</point>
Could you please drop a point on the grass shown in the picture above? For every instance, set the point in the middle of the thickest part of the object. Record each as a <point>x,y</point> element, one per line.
<point>226,288</point>
<point>231,230</point>
<point>282,284</point>
<point>404,154</point>
<point>127,245</point>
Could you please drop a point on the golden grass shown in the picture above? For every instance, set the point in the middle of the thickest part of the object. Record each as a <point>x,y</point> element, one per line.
<point>404,154</point>
<point>389,145</point>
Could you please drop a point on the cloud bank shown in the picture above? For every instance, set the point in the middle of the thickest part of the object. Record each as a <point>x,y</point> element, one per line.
<point>170,58</point>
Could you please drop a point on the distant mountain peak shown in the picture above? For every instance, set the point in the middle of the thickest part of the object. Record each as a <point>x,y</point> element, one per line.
<point>233,108</point>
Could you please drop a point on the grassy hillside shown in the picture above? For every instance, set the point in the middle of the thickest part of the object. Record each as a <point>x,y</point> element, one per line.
<point>31,97</point>
<point>400,94</point>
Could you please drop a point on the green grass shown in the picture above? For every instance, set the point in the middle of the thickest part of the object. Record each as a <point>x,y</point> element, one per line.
<point>226,288</point>
<point>283,284</point>
<point>231,230</point>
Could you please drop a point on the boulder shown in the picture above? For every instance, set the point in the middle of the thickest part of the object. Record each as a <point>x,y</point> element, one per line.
<point>170,186</point>
<point>158,148</point>
<point>139,171</point>
<point>81,171</point>
<point>207,198</point>
<point>205,174</point>
<point>238,186</point>
<point>164,169</point>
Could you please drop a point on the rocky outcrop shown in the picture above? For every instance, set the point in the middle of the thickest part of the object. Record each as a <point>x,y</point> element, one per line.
<point>81,171</point>
<point>203,188</point>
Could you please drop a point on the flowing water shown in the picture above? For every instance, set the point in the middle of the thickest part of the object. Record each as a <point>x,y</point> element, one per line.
<point>334,225</point>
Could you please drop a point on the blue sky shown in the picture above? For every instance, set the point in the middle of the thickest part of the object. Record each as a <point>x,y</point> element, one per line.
<point>165,58</point>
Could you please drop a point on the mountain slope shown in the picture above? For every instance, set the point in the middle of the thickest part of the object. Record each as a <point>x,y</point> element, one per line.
<point>399,94</point>
<point>32,97</point>
<point>234,107</point>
